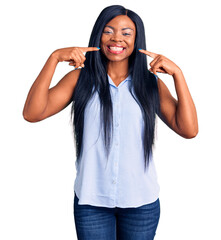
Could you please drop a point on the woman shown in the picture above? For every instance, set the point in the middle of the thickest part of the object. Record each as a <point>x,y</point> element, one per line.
<point>116,189</point>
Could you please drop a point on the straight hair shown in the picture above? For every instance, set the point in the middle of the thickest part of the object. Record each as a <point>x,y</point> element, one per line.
<point>93,78</point>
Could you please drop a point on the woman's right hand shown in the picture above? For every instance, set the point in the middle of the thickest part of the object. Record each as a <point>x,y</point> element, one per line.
<point>74,55</point>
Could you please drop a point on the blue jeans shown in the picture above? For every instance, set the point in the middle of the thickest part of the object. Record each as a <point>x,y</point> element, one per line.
<point>103,223</point>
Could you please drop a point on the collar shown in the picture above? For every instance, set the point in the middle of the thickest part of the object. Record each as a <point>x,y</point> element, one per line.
<point>112,83</point>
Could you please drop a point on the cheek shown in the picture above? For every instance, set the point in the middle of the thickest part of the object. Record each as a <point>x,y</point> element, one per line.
<point>104,38</point>
<point>131,44</point>
<point>101,41</point>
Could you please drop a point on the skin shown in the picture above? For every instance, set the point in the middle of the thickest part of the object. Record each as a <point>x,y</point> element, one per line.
<point>120,30</point>
<point>43,102</point>
<point>179,115</point>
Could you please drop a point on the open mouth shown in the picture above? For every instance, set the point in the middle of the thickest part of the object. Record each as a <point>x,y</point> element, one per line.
<point>115,50</point>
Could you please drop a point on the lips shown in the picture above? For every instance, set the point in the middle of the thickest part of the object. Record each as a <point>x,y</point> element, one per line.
<point>116,49</point>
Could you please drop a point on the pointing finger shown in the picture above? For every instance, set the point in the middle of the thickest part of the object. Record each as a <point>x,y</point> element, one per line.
<point>89,49</point>
<point>154,61</point>
<point>151,54</point>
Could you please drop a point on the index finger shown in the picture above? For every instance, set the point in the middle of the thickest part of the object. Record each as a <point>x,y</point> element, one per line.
<point>151,54</point>
<point>89,49</point>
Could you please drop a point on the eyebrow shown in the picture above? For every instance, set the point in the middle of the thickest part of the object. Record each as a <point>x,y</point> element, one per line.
<point>122,28</point>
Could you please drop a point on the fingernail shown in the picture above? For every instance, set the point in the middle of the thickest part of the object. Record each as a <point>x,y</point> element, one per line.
<point>98,47</point>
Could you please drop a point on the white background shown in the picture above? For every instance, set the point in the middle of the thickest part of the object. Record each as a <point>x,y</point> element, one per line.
<point>37,168</point>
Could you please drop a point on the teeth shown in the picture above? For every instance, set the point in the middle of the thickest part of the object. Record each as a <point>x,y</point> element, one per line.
<point>116,48</point>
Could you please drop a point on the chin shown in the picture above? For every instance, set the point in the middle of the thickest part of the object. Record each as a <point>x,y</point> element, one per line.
<point>115,59</point>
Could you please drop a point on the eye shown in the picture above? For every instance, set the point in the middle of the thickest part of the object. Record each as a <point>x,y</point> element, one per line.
<point>106,32</point>
<point>126,34</point>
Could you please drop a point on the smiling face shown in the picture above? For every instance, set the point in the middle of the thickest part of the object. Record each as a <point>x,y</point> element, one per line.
<point>118,38</point>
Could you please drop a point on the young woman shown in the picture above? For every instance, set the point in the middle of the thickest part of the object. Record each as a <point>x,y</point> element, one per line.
<point>115,99</point>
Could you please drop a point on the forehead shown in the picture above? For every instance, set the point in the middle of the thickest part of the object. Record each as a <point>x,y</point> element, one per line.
<point>121,21</point>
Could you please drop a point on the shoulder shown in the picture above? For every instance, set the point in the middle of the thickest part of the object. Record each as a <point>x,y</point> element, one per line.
<point>73,75</point>
<point>70,79</point>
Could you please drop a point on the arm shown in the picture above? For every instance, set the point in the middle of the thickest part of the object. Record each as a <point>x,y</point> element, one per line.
<point>180,115</point>
<point>43,102</point>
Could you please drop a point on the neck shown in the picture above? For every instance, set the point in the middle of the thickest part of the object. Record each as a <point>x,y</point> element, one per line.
<point>118,70</point>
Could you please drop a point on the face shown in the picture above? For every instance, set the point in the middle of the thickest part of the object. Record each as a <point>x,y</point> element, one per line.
<point>118,38</point>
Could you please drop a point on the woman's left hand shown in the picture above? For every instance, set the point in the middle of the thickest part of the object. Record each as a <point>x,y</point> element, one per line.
<point>161,64</point>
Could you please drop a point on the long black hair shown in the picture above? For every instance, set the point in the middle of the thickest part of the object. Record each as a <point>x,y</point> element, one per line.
<point>93,77</point>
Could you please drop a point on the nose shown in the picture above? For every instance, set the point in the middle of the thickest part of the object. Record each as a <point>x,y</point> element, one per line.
<point>116,37</point>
